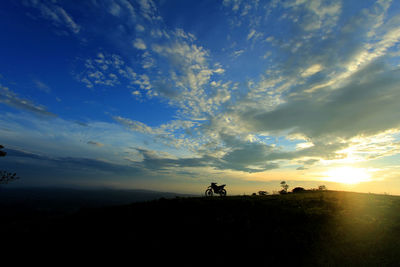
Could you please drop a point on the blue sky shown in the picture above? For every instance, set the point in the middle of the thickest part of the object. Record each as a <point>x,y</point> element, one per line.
<point>172,95</point>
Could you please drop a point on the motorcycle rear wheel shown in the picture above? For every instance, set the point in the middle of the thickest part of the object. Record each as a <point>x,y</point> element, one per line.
<point>223,193</point>
<point>209,193</point>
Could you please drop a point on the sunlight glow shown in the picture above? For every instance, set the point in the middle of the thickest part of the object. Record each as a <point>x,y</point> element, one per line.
<point>347,175</point>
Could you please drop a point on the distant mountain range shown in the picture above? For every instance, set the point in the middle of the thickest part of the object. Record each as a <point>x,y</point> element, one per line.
<point>70,200</point>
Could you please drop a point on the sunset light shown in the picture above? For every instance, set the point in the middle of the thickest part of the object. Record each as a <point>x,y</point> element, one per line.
<point>347,175</point>
<point>201,129</point>
<point>172,95</point>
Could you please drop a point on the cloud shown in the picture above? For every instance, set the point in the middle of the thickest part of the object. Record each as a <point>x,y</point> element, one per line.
<point>154,162</point>
<point>149,10</point>
<point>139,44</point>
<point>190,75</point>
<point>135,125</point>
<point>366,104</point>
<point>68,163</point>
<point>140,28</point>
<point>115,9</point>
<point>93,143</point>
<point>312,70</point>
<point>105,69</point>
<point>314,14</point>
<point>74,27</point>
<point>169,134</point>
<point>254,35</point>
<point>237,160</point>
<point>129,8</point>
<point>55,13</point>
<point>323,81</point>
<point>238,53</point>
<point>248,157</point>
<point>42,86</point>
<point>251,34</point>
<point>10,98</point>
<point>49,136</point>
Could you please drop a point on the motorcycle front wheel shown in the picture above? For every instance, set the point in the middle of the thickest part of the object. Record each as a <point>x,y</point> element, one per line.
<point>222,193</point>
<point>209,193</point>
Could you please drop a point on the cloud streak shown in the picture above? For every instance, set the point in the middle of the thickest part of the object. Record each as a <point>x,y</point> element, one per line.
<point>10,98</point>
<point>55,13</point>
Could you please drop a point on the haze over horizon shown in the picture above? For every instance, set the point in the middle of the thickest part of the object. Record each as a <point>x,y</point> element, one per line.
<point>172,95</point>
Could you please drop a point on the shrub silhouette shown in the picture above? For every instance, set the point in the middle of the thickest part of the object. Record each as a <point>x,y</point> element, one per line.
<point>298,190</point>
<point>282,192</point>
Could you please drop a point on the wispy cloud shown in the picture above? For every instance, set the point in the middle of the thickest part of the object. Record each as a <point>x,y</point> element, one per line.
<point>93,143</point>
<point>42,86</point>
<point>55,13</point>
<point>10,98</point>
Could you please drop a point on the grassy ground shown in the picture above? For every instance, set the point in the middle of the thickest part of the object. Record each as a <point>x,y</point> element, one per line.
<point>313,228</point>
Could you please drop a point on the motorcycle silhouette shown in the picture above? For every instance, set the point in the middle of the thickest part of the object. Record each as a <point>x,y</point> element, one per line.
<point>217,189</point>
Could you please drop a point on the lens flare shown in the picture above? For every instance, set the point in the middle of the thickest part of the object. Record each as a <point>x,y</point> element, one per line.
<point>347,175</point>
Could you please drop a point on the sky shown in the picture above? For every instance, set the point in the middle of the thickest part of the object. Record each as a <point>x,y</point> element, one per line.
<point>171,95</point>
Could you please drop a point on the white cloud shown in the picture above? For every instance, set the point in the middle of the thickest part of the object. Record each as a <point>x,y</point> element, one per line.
<point>74,27</point>
<point>359,107</point>
<point>312,70</point>
<point>115,9</point>
<point>168,134</point>
<point>149,10</point>
<point>54,12</point>
<point>238,53</point>
<point>139,44</point>
<point>139,28</point>
<point>190,74</point>
<point>130,9</point>
<point>136,92</point>
<point>253,34</point>
<point>10,98</point>
<point>319,14</point>
<point>106,70</point>
<point>136,125</point>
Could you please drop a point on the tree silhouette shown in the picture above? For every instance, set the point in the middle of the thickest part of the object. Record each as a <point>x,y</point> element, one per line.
<point>322,188</point>
<point>6,177</point>
<point>285,186</point>
<point>2,153</point>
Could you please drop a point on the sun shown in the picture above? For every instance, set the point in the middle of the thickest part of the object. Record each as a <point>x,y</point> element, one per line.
<point>347,175</point>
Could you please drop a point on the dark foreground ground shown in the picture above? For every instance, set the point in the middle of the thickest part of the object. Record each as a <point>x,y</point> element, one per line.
<point>313,228</point>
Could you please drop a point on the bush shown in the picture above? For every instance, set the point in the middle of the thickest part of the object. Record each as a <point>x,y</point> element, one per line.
<point>262,193</point>
<point>298,190</point>
<point>6,177</point>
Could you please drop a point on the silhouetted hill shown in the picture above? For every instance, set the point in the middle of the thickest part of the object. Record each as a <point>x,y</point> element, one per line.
<point>68,199</point>
<point>312,228</point>
<point>31,203</point>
